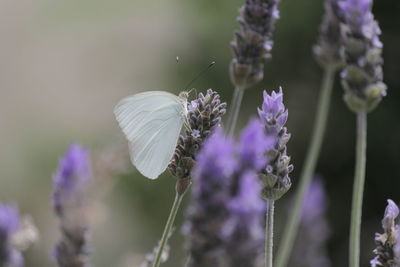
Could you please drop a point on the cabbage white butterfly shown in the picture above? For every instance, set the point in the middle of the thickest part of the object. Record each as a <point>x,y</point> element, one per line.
<point>152,122</point>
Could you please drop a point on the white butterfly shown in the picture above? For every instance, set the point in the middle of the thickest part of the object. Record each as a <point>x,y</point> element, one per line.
<point>152,122</point>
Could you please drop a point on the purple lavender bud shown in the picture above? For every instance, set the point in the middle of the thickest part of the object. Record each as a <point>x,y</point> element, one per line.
<point>253,144</point>
<point>275,175</point>
<point>9,224</point>
<point>204,114</point>
<point>362,76</point>
<point>253,43</point>
<point>314,230</point>
<point>327,50</point>
<point>387,248</point>
<point>71,183</point>
<point>225,217</point>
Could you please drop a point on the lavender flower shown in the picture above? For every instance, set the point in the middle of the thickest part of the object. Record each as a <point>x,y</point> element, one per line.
<point>362,75</point>
<point>224,227</point>
<point>253,43</point>
<point>275,175</point>
<point>253,145</point>
<point>69,199</point>
<point>327,50</point>
<point>314,230</point>
<point>207,213</point>
<point>9,224</point>
<point>204,114</point>
<point>387,250</point>
<point>243,231</point>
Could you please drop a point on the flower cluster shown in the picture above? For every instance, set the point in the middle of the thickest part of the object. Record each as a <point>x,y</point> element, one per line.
<point>69,200</point>
<point>388,249</point>
<point>327,50</point>
<point>204,114</point>
<point>362,75</point>
<point>253,43</point>
<point>275,175</point>
<point>314,229</point>
<point>226,213</point>
<point>9,225</point>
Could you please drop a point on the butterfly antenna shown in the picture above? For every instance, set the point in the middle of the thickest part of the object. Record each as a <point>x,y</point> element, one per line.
<point>193,89</point>
<point>199,75</point>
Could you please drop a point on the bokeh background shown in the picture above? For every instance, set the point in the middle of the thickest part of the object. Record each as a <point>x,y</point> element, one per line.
<point>64,64</point>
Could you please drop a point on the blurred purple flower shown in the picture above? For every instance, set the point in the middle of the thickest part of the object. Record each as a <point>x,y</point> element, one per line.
<point>362,75</point>
<point>327,50</point>
<point>314,230</point>
<point>9,224</point>
<point>215,165</point>
<point>387,244</point>
<point>243,232</point>
<point>71,183</point>
<point>225,217</point>
<point>275,175</point>
<point>253,145</point>
<point>357,12</point>
<point>73,173</point>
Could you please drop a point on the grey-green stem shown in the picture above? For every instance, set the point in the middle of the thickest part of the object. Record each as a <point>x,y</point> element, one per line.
<point>269,233</point>
<point>358,190</point>
<point>290,231</point>
<point>168,227</point>
<point>234,110</point>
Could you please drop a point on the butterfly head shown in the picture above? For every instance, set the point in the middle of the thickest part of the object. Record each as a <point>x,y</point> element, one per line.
<point>184,95</point>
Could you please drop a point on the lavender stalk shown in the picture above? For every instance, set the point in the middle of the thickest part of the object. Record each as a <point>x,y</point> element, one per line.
<point>327,52</point>
<point>362,82</point>
<point>358,189</point>
<point>168,227</point>
<point>269,233</point>
<point>251,46</point>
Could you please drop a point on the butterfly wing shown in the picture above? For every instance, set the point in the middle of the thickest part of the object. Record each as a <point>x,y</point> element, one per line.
<point>151,122</point>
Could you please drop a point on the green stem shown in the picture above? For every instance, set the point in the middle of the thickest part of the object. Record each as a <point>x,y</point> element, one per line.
<point>321,118</point>
<point>269,233</point>
<point>358,189</point>
<point>167,229</point>
<point>234,110</point>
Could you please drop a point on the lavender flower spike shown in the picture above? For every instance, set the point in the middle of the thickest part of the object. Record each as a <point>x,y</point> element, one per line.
<point>362,75</point>
<point>205,114</point>
<point>327,50</point>
<point>253,43</point>
<point>9,225</point>
<point>225,217</point>
<point>275,175</point>
<point>71,183</point>
<point>387,250</point>
<point>207,213</point>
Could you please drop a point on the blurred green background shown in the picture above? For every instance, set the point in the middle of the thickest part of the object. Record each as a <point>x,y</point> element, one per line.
<point>64,64</point>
